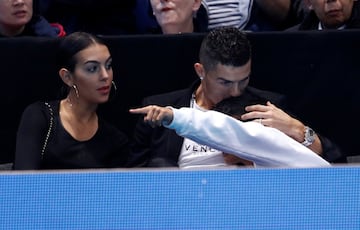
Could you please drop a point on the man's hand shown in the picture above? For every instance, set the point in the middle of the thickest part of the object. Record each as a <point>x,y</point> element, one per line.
<point>271,116</point>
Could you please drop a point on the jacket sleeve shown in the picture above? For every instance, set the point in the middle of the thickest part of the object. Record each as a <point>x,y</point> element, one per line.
<point>140,147</point>
<point>265,146</point>
<point>331,151</point>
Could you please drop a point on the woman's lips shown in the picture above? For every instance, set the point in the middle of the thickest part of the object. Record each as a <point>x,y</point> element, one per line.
<point>104,90</point>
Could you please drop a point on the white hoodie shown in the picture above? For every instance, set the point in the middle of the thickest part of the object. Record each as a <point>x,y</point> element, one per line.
<point>265,146</point>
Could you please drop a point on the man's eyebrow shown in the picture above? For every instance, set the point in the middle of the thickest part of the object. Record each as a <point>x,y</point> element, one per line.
<point>223,79</point>
<point>226,80</point>
<point>246,78</point>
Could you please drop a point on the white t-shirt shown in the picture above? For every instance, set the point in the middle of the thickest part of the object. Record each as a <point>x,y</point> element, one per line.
<point>194,155</point>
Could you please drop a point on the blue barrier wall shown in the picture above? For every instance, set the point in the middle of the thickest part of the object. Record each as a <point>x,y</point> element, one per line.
<point>325,198</point>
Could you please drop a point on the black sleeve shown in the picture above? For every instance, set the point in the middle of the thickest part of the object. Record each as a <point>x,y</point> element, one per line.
<point>141,146</point>
<point>331,152</point>
<point>30,137</point>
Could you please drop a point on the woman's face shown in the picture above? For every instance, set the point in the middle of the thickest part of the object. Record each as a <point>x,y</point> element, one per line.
<point>14,14</point>
<point>174,12</point>
<point>93,74</point>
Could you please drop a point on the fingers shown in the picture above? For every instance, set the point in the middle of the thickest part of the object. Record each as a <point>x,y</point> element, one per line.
<point>143,110</point>
<point>254,116</point>
<point>270,104</point>
<point>154,115</point>
<point>257,112</point>
<point>257,107</point>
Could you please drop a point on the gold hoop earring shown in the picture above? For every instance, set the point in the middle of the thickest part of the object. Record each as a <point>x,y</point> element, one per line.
<point>76,91</point>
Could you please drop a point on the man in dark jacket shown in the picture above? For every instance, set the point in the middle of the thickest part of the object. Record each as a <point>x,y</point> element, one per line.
<point>330,14</point>
<point>224,71</point>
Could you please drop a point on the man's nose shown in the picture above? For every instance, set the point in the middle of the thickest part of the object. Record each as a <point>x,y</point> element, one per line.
<point>235,90</point>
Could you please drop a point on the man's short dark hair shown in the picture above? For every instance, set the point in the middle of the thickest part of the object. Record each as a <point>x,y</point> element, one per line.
<point>225,45</point>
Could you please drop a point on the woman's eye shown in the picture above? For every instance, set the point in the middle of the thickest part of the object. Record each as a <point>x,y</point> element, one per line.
<point>92,69</point>
<point>108,66</point>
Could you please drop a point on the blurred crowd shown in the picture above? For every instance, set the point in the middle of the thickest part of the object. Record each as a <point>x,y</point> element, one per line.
<point>113,17</point>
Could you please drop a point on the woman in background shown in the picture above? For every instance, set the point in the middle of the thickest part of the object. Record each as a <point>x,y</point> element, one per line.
<point>178,16</point>
<point>17,18</point>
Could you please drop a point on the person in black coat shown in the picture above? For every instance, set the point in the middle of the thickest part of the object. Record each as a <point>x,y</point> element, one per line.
<point>339,14</point>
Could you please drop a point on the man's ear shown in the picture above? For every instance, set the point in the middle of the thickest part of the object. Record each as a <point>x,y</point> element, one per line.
<point>199,69</point>
<point>65,76</point>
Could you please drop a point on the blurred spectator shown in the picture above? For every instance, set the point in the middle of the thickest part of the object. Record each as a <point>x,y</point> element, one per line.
<point>101,17</point>
<point>330,14</point>
<point>234,13</point>
<point>177,16</point>
<point>252,15</point>
<point>145,19</point>
<point>17,18</point>
<point>171,17</point>
<point>275,15</point>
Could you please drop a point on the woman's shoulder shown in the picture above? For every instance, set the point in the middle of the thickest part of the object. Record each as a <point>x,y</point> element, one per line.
<point>41,106</point>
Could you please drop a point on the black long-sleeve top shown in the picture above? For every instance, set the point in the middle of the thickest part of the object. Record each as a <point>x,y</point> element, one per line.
<point>108,148</point>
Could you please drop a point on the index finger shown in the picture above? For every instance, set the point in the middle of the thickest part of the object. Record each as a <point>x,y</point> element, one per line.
<point>142,110</point>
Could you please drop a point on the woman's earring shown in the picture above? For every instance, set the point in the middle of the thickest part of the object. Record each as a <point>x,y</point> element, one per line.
<point>76,91</point>
<point>114,85</point>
